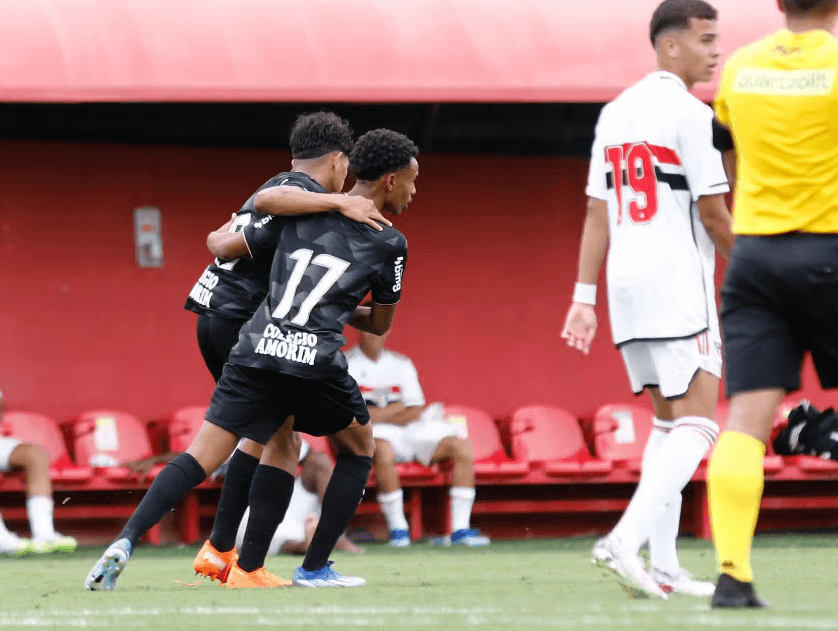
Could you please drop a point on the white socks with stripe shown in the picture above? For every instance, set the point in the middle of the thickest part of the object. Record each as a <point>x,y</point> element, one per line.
<point>39,509</point>
<point>662,541</point>
<point>462,501</point>
<point>392,505</point>
<point>666,471</point>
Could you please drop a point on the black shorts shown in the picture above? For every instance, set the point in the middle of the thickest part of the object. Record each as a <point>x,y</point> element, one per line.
<point>779,300</point>
<point>216,338</point>
<point>254,403</point>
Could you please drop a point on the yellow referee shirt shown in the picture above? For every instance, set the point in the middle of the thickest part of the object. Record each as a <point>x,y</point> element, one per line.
<point>779,96</point>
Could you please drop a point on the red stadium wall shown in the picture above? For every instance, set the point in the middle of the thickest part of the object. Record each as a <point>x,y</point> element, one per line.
<point>493,245</point>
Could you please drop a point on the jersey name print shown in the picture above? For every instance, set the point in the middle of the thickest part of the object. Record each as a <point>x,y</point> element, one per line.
<point>652,158</point>
<point>234,289</point>
<point>324,266</point>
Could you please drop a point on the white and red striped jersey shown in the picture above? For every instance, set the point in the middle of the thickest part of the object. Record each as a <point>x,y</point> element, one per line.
<point>389,380</point>
<point>652,158</point>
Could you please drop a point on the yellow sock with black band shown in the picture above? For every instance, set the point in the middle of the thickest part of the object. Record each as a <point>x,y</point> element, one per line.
<point>734,486</point>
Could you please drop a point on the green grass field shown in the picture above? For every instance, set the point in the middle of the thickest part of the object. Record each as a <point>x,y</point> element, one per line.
<point>547,584</point>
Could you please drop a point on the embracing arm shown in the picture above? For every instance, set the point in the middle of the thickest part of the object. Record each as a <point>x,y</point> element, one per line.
<point>376,319</point>
<point>227,245</point>
<point>290,200</point>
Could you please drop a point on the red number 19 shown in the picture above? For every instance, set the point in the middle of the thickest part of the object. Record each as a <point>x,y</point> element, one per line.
<point>641,178</point>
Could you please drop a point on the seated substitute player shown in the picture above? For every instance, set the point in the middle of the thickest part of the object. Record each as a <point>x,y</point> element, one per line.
<point>294,534</point>
<point>231,289</point>
<point>656,206</point>
<point>288,362</point>
<point>779,98</point>
<point>34,461</point>
<point>406,431</point>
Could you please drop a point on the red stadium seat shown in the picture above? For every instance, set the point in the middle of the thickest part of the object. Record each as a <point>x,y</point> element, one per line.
<point>41,430</point>
<point>105,439</point>
<point>621,432</point>
<point>551,439</point>
<point>490,460</point>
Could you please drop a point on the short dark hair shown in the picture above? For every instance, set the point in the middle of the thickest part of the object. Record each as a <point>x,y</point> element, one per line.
<point>676,14</point>
<point>380,151</point>
<point>316,134</point>
<point>803,7</point>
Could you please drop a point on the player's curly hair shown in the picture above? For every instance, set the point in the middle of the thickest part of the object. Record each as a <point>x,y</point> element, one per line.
<point>803,7</point>
<point>676,14</point>
<point>318,133</point>
<point>380,151</point>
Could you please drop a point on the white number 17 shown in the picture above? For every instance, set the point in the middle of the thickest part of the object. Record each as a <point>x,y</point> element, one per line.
<point>335,266</point>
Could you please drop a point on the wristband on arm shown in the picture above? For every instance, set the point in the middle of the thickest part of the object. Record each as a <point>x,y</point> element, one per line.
<point>585,294</point>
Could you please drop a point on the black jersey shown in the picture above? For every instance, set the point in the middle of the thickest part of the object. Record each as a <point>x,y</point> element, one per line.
<point>325,265</point>
<point>234,289</point>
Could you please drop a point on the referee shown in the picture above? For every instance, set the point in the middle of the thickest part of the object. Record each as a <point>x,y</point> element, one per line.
<point>779,99</point>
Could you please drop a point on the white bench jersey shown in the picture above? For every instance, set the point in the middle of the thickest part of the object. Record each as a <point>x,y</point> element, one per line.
<point>652,158</point>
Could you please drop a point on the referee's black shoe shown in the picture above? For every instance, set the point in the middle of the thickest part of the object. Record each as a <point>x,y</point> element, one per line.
<point>733,593</point>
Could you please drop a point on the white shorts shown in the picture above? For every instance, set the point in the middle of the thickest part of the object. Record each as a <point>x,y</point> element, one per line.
<point>7,446</point>
<point>671,364</point>
<point>293,527</point>
<point>417,441</point>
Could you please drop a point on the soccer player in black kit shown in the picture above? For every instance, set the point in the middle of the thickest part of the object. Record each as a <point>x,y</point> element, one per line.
<point>288,363</point>
<point>230,290</point>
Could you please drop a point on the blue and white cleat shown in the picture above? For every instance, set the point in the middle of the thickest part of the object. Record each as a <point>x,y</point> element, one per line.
<point>469,537</point>
<point>109,566</point>
<point>399,538</point>
<point>325,577</point>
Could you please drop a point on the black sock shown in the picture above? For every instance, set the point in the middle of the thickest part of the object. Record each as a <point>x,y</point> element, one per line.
<point>344,493</point>
<point>270,495</point>
<point>176,479</point>
<point>233,501</point>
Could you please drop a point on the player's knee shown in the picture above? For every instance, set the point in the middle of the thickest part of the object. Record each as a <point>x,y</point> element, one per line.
<point>30,457</point>
<point>462,450</point>
<point>318,463</point>
<point>384,454</point>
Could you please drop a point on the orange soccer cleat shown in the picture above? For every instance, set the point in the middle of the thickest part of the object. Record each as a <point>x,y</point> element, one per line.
<point>239,579</point>
<point>210,562</point>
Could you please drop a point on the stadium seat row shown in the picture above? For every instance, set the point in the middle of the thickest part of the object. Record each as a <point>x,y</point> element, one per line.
<point>537,460</point>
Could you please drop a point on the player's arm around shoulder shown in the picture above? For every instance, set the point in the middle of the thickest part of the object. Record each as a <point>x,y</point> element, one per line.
<point>292,200</point>
<point>226,244</point>
<point>581,322</point>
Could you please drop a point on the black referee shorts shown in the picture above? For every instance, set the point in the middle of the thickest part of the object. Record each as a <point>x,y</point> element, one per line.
<point>216,338</point>
<point>254,403</point>
<point>779,300</point>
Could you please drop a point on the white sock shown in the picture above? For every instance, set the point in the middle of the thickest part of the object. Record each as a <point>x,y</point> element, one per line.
<point>666,474</point>
<point>392,505</point>
<point>462,500</point>
<point>39,509</point>
<point>663,548</point>
<point>657,437</point>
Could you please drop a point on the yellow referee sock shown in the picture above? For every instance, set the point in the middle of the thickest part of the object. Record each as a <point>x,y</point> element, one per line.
<point>734,485</point>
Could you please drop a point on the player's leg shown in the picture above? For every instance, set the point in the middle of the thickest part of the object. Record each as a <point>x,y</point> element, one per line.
<point>763,355</point>
<point>390,494</point>
<point>34,460</point>
<point>315,475</point>
<point>208,450</point>
<point>336,408</point>
<point>10,543</point>
<point>462,493</point>
<point>269,497</point>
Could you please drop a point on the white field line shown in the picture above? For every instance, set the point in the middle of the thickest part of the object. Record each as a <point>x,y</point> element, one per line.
<point>354,617</point>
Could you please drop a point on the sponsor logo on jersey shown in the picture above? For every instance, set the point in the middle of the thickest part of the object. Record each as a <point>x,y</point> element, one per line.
<point>202,291</point>
<point>295,347</point>
<point>785,82</point>
<point>399,269</point>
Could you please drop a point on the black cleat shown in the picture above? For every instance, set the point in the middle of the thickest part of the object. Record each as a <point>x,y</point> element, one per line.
<point>733,593</point>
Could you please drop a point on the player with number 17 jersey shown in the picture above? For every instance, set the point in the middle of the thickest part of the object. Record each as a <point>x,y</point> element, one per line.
<point>652,158</point>
<point>325,265</point>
